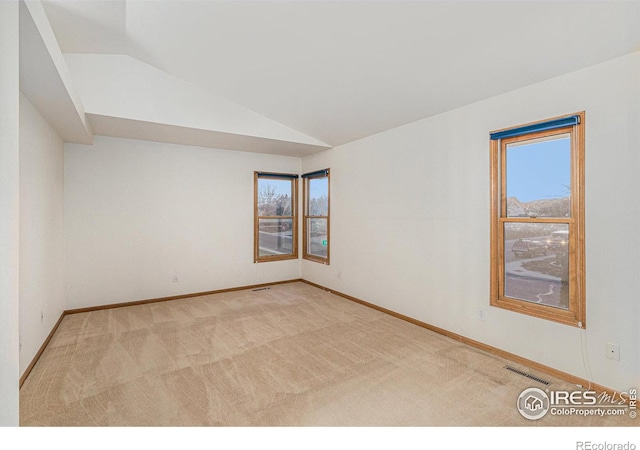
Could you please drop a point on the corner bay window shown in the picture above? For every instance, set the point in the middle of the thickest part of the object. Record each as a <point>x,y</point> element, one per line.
<point>316,216</point>
<point>537,219</point>
<point>275,216</point>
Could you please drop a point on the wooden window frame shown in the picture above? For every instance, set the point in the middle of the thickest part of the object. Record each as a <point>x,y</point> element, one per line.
<point>575,315</point>
<point>257,258</point>
<point>306,216</point>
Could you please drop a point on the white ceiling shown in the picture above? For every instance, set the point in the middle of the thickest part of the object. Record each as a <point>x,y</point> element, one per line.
<point>44,78</point>
<point>342,70</point>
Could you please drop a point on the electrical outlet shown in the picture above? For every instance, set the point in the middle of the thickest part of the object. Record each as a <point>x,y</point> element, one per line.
<point>41,316</point>
<point>613,351</point>
<point>481,314</point>
<point>176,278</point>
<point>339,275</point>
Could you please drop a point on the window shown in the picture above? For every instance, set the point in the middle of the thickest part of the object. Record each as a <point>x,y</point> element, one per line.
<point>316,216</point>
<point>275,217</point>
<point>537,219</point>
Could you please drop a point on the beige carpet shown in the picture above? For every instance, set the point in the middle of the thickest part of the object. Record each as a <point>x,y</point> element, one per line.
<point>290,355</point>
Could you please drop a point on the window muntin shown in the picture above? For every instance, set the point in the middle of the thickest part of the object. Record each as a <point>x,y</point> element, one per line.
<point>275,217</point>
<point>538,223</point>
<point>316,217</point>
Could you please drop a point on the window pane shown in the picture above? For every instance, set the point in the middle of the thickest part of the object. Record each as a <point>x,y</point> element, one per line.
<point>317,237</point>
<point>318,196</point>
<point>274,197</point>
<point>275,237</point>
<point>539,177</point>
<point>536,263</point>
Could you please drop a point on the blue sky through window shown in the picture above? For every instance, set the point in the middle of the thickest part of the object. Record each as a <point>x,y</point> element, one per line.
<point>539,170</point>
<point>277,187</point>
<point>318,188</point>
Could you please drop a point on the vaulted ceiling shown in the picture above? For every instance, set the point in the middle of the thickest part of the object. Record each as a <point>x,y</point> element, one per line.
<point>323,73</point>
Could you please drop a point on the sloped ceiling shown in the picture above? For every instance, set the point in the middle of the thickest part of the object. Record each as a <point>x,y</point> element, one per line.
<point>44,77</point>
<point>338,71</point>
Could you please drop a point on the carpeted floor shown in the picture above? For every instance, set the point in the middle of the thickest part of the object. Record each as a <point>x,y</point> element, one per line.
<point>291,355</point>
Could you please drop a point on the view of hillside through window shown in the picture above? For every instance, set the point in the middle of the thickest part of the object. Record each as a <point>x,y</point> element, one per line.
<point>539,177</point>
<point>538,185</point>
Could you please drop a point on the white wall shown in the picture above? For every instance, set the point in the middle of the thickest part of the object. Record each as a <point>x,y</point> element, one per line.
<point>138,212</point>
<point>41,230</point>
<point>410,221</point>
<point>9,213</point>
